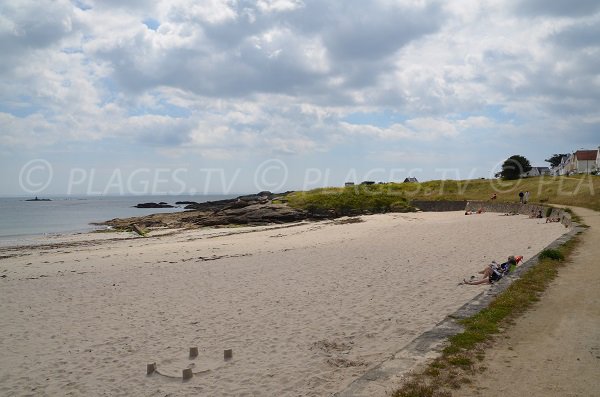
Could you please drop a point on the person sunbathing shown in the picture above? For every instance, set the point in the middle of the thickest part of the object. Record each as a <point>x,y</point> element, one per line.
<point>495,272</point>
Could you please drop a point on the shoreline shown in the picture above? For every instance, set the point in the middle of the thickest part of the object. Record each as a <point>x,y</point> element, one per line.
<point>306,307</point>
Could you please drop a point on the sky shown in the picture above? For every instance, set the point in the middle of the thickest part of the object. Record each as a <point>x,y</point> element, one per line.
<point>232,96</point>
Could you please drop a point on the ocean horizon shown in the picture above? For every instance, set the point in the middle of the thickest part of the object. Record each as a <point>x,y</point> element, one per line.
<point>64,214</point>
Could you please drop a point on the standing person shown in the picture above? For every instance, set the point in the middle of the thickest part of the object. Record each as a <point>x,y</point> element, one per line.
<point>521,195</point>
<point>526,197</point>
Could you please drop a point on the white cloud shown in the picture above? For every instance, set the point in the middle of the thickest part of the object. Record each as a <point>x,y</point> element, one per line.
<point>268,6</point>
<point>228,77</point>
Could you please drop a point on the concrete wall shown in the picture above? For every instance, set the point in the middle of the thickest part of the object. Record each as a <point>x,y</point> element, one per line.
<point>516,208</point>
<point>439,206</point>
<point>492,206</point>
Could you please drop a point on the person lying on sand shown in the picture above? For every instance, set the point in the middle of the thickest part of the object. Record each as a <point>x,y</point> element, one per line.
<point>495,272</point>
<point>479,211</point>
<point>534,215</point>
<point>550,220</point>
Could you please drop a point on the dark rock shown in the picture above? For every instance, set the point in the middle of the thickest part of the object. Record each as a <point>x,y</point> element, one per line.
<point>38,199</point>
<point>210,205</point>
<point>185,202</point>
<point>254,214</point>
<point>255,209</point>
<point>153,205</point>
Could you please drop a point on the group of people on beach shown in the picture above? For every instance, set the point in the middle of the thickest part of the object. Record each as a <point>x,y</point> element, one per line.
<point>535,214</point>
<point>495,272</point>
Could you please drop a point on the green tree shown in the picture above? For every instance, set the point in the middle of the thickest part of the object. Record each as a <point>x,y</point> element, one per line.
<point>556,159</point>
<point>514,166</point>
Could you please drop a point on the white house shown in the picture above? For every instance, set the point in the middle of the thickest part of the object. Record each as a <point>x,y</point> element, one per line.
<point>585,161</point>
<point>568,164</point>
<point>536,171</point>
<point>560,169</point>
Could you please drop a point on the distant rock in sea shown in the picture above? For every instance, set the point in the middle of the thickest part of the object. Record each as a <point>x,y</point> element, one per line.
<point>38,199</point>
<point>162,204</point>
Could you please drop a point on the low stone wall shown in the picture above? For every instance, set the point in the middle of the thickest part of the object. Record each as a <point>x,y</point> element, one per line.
<point>439,206</point>
<point>493,206</point>
<point>517,208</point>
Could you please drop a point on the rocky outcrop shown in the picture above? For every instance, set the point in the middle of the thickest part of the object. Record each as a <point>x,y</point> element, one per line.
<point>242,213</point>
<point>154,205</point>
<point>255,209</point>
<point>238,202</point>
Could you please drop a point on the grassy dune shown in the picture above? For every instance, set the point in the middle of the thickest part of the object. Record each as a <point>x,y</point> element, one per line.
<point>579,190</point>
<point>351,200</point>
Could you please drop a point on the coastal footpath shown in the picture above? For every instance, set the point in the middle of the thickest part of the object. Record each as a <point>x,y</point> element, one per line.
<point>554,349</point>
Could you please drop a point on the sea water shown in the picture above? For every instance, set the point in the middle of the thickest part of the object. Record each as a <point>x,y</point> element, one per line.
<point>20,218</point>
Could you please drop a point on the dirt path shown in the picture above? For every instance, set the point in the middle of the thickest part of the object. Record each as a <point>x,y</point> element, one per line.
<point>553,350</point>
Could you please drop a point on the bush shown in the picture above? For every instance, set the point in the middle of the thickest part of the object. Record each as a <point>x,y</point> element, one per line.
<point>553,254</point>
<point>548,212</point>
<point>401,206</point>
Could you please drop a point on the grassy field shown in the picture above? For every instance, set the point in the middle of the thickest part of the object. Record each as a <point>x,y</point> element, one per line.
<point>351,200</point>
<point>578,190</point>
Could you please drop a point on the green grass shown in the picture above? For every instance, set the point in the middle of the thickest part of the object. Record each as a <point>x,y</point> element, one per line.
<point>552,254</point>
<point>578,190</point>
<point>350,200</point>
<point>462,358</point>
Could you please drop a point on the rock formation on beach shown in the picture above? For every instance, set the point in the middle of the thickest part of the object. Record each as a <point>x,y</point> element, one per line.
<point>255,209</point>
<point>248,214</point>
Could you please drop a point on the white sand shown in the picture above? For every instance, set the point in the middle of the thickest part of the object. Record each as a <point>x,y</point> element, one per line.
<point>306,309</point>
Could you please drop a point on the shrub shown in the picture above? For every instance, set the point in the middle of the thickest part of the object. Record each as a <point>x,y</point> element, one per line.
<point>553,254</point>
<point>401,206</point>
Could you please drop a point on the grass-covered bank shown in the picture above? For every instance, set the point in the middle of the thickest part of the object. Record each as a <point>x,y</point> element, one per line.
<point>351,200</point>
<point>578,190</point>
<point>465,352</point>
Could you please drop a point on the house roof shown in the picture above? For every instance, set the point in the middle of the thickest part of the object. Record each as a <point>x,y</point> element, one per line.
<point>586,155</point>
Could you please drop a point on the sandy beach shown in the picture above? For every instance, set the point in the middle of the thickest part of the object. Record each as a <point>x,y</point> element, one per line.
<point>307,308</point>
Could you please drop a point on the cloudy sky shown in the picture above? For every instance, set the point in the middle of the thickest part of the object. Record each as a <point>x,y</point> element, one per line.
<point>237,95</point>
